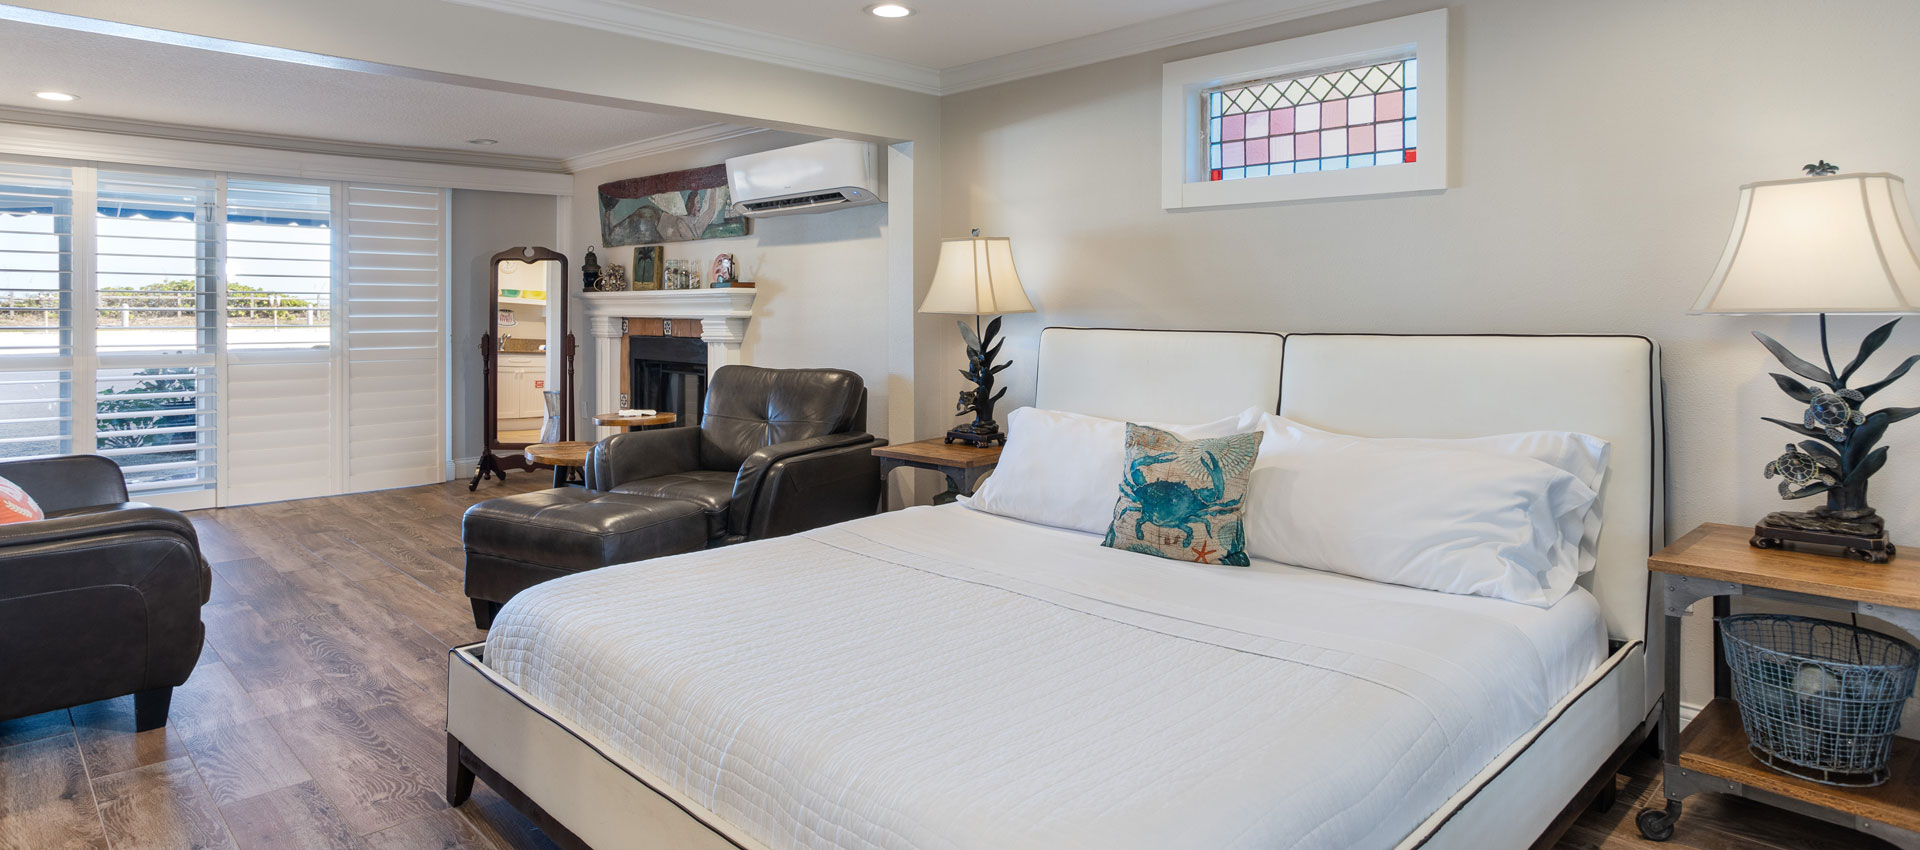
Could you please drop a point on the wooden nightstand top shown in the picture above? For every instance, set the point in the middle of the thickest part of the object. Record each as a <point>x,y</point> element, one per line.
<point>939,452</point>
<point>1720,553</point>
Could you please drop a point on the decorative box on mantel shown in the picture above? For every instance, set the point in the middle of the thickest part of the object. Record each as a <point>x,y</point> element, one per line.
<point>723,315</point>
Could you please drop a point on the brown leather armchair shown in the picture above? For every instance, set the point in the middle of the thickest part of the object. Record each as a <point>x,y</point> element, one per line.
<point>779,451</point>
<point>99,600</point>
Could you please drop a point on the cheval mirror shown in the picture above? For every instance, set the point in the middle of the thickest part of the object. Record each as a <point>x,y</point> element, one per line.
<point>528,359</point>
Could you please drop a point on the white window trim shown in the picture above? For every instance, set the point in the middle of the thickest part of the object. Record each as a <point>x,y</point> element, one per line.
<point>1183,123</point>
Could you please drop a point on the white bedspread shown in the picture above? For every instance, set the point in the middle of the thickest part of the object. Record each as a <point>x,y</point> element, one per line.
<point>940,678</point>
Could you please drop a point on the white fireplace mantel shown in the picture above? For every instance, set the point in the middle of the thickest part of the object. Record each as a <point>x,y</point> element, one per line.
<point>723,315</point>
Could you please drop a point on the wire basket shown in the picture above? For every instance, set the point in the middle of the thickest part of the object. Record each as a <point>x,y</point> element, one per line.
<point>1819,700</point>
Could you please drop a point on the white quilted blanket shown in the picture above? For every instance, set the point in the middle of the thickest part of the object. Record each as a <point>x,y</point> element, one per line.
<point>940,678</point>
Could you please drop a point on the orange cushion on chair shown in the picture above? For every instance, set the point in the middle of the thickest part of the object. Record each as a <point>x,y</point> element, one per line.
<point>16,505</point>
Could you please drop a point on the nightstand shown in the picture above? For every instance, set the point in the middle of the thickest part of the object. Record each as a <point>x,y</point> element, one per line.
<point>963,465</point>
<point>1715,561</point>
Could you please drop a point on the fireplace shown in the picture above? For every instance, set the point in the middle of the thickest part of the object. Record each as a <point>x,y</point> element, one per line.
<point>714,318</point>
<point>669,374</point>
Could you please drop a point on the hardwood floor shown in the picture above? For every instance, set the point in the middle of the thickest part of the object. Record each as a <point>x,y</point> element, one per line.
<point>315,717</point>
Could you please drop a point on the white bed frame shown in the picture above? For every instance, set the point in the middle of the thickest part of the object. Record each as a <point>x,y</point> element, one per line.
<point>585,795</point>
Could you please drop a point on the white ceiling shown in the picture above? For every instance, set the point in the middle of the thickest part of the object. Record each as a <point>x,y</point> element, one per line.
<point>941,33</point>
<point>163,84</point>
<point>946,46</point>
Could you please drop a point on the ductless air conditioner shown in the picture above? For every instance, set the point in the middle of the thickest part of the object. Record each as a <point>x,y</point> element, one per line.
<point>815,177</point>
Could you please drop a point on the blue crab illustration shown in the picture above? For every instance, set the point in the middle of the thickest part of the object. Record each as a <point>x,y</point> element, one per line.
<point>1174,504</point>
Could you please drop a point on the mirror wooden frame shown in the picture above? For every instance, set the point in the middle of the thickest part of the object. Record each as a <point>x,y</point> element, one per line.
<point>496,465</point>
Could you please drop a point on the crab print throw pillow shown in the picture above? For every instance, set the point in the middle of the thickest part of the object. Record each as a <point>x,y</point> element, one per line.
<point>1184,499</point>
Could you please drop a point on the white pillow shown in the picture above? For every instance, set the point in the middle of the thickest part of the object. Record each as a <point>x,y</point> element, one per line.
<point>1445,515</point>
<point>1583,455</point>
<point>1063,469</point>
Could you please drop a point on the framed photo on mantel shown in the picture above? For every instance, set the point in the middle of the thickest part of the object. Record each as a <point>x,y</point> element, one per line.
<point>648,268</point>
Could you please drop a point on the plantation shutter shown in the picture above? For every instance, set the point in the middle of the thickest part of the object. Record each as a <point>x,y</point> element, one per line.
<point>37,298</point>
<point>282,399</point>
<point>396,383</point>
<point>156,382</point>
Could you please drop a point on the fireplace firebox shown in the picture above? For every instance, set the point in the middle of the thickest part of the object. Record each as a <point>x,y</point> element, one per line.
<point>670,376</point>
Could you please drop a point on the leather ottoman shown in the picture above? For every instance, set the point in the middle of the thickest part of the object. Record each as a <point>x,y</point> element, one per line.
<point>516,542</point>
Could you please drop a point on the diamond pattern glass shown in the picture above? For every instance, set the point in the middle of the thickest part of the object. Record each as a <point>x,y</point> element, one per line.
<point>1365,114</point>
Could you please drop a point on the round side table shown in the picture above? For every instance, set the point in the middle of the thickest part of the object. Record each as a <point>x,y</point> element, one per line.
<point>615,420</point>
<point>561,456</point>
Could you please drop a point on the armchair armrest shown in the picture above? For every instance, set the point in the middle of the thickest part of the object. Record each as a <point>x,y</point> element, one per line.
<point>642,454</point>
<point>755,492</point>
<point>67,482</point>
<point>108,519</point>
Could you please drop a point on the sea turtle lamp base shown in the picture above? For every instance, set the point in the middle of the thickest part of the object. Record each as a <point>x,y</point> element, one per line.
<point>1862,538</point>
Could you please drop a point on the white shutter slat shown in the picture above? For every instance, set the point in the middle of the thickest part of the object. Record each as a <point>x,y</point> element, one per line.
<point>297,436</point>
<point>378,215</point>
<point>391,277</point>
<point>426,247</point>
<point>388,261</point>
<point>396,283</point>
<point>376,323</point>
<point>424,294</point>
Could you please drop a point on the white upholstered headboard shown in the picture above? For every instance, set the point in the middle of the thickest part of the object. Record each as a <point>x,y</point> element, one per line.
<point>1158,376</point>
<point>1425,386</point>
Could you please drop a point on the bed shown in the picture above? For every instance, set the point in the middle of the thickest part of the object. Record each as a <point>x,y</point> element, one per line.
<point>940,677</point>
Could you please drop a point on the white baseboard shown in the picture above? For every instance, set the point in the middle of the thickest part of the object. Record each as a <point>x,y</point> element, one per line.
<point>1688,711</point>
<point>462,468</point>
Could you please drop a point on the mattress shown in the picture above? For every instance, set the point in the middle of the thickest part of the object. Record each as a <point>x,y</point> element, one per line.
<point>942,678</point>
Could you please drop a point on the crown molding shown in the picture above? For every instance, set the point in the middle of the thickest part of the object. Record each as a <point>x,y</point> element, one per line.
<point>1133,39</point>
<point>295,144</point>
<point>688,31</point>
<point>691,137</point>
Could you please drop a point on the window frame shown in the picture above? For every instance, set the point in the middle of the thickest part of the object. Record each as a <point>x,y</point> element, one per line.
<point>1183,147</point>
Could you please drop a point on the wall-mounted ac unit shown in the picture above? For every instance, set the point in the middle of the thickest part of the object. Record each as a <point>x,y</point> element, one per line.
<point>815,177</point>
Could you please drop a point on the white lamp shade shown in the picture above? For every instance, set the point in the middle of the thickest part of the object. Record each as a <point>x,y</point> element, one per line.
<point>975,277</point>
<point>1839,244</point>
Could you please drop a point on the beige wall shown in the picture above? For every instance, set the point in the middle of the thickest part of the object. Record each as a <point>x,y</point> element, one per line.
<point>483,224</point>
<point>1599,151</point>
<point>821,277</point>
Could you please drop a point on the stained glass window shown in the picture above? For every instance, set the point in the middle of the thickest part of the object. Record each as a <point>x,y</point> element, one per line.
<point>1349,118</point>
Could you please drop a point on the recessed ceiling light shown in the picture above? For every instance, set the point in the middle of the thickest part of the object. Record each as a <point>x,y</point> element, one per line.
<point>483,141</point>
<point>889,10</point>
<point>55,95</point>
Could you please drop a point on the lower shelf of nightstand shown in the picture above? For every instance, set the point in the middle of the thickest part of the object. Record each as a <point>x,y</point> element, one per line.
<point>1716,745</point>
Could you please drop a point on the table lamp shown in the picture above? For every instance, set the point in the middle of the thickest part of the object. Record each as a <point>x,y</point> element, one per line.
<point>975,277</point>
<point>1824,243</point>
